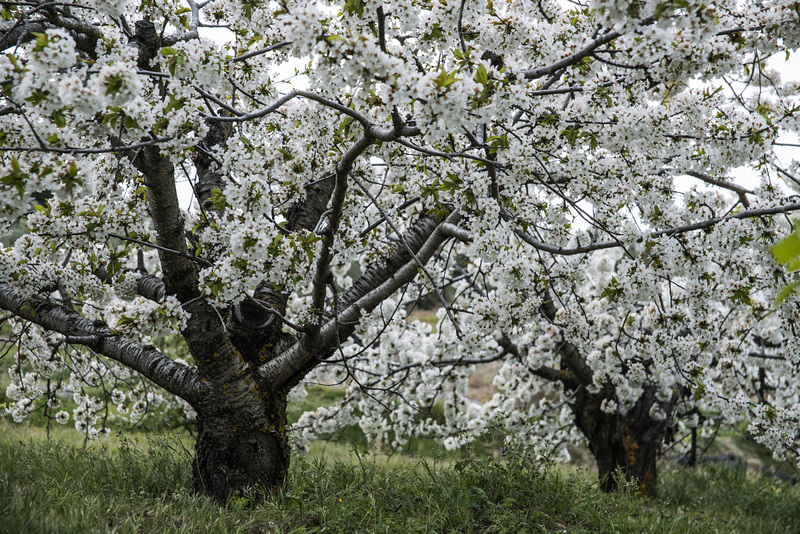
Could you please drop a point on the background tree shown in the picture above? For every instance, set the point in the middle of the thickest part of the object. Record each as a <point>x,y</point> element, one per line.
<point>529,137</point>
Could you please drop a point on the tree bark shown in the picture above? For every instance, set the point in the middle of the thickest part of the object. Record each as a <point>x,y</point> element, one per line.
<point>241,423</point>
<point>174,377</point>
<point>244,446</point>
<point>628,442</point>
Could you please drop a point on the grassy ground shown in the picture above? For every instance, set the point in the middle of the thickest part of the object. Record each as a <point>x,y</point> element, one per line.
<point>143,485</point>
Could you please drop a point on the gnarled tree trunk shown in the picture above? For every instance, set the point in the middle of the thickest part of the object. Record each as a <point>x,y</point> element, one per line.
<point>236,449</point>
<point>241,420</point>
<point>628,441</point>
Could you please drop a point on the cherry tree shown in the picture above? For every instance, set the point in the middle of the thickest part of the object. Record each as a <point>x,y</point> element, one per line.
<point>561,178</point>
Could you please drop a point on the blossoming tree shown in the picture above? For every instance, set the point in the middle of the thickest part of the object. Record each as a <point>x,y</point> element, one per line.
<point>567,169</point>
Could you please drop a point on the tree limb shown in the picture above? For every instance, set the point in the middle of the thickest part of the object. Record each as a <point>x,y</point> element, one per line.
<point>364,298</point>
<point>179,273</point>
<point>322,272</point>
<point>174,377</point>
<point>532,74</point>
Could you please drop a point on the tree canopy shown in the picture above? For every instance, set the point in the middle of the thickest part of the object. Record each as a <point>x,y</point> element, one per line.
<point>562,179</point>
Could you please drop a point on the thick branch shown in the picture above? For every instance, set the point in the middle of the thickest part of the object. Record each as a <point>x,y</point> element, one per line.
<point>322,272</point>
<point>570,356</point>
<point>397,231</point>
<point>373,287</point>
<point>21,34</point>
<point>86,35</point>
<point>532,74</point>
<point>174,377</point>
<point>179,273</point>
<point>151,287</point>
<point>378,272</point>
<point>306,213</point>
<point>556,375</point>
<point>208,168</point>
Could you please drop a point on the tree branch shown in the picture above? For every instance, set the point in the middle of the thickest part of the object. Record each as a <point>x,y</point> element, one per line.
<point>532,74</point>
<point>179,273</point>
<point>669,232</point>
<point>739,190</point>
<point>570,356</point>
<point>322,272</point>
<point>377,132</point>
<point>174,377</point>
<point>260,51</point>
<point>170,40</point>
<point>370,293</point>
<point>411,252</point>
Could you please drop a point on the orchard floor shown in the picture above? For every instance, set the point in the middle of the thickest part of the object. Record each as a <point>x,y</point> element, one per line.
<point>141,483</point>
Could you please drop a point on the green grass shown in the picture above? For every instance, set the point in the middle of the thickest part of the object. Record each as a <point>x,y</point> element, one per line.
<point>144,486</point>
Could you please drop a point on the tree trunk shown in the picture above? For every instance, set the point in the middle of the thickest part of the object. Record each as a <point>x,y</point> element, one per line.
<point>627,441</point>
<point>236,450</point>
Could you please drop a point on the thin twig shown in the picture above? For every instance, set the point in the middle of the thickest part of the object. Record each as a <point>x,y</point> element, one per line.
<point>165,249</point>
<point>410,251</point>
<point>260,51</point>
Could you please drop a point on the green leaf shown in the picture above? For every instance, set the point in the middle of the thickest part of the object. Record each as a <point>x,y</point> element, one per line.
<point>482,76</point>
<point>613,291</point>
<point>219,199</point>
<point>16,178</point>
<point>59,119</point>
<point>445,80</point>
<point>742,295</point>
<point>787,249</point>
<point>354,7</point>
<point>787,291</point>
<point>699,390</point>
<point>124,321</point>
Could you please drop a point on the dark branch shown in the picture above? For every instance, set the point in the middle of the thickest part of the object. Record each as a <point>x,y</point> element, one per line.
<point>174,377</point>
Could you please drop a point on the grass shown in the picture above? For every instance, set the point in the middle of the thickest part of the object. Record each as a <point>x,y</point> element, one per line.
<point>144,486</point>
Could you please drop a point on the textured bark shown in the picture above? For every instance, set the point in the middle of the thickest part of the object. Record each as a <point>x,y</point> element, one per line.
<point>21,34</point>
<point>306,214</point>
<point>380,271</point>
<point>241,434</point>
<point>151,287</point>
<point>244,446</point>
<point>209,176</point>
<point>372,288</point>
<point>241,440</point>
<point>629,441</point>
<point>146,41</point>
<point>179,272</point>
<point>85,35</point>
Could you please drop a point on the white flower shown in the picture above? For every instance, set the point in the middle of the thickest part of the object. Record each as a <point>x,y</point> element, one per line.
<point>117,83</point>
<point>54,49</point>
<point>608,406</point>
